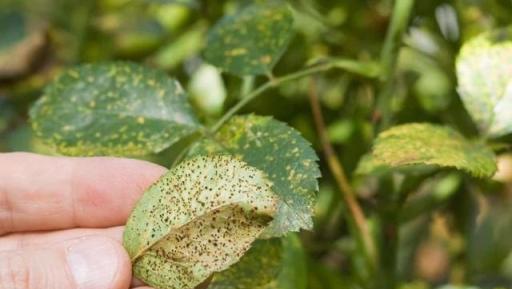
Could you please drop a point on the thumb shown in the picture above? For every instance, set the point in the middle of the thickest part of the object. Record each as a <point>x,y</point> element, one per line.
<point>87,263</point>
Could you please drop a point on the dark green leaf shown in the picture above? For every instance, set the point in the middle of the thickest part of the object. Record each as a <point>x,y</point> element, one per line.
<point>113,109</point>
<point>199,218</point>
<point>251,41</point>
<point>484,73</point>
<point>283,154</point>
<point>422,143</point>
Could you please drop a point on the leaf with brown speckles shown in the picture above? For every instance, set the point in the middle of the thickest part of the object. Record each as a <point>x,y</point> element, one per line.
<point>117,108</point>
<point>283,154</point>
<point>251,41</point>
<point>429,144</point>
<point>199,218</point>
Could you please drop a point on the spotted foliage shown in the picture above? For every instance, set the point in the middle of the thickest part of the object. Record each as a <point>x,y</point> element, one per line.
<point>199,218</point>
<point>112,109</point>
<point>251,41</point>
<point>428,144</point>
<point>484,73</point>
<point>283,154</point>
<point>258,268</point>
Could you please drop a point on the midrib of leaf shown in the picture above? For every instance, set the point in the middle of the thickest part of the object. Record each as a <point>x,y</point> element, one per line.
<point>150,245</point>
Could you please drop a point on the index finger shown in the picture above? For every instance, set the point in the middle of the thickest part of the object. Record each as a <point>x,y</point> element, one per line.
<point>47,193</point>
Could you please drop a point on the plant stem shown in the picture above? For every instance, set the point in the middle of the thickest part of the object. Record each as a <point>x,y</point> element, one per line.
<point>389,55</point>
<point>368,69</point>
<point>355,217</point>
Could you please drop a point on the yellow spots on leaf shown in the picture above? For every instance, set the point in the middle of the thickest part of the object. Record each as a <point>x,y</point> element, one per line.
<point>236,52</point>
<point>266,59</point>
<point>141,120</point>
<point>92,104</point>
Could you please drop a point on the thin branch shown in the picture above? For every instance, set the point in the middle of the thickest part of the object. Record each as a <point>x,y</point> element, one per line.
<point>389,55</point>
<point>355,216</point>
<point>368,69</point>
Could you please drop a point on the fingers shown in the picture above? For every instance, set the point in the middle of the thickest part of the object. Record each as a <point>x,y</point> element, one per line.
<point>48,193</point>
<point>91,262</point>
<point>26,241</point>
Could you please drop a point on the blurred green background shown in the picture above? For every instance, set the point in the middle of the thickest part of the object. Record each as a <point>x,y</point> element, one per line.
<point>454,231</point>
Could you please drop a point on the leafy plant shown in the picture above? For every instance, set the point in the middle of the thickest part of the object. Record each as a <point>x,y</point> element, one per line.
<point>417,143</point>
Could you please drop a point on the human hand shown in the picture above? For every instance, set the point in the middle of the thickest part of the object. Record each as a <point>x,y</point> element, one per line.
<point>60,220</point>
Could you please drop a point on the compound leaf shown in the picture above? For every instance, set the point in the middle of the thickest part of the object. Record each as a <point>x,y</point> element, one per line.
<point>199,218</point>
<point>251,41</point>
<point>428,144</point>
<point>484,73</point>
<point>284,155</point>
<point>113,109</point>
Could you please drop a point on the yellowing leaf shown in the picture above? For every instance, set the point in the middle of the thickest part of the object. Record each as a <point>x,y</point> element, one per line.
<point>199,218</point>
<point>421,143</point>
<point>113,109</point>
<point>251,41</point>
<point>484,73</point>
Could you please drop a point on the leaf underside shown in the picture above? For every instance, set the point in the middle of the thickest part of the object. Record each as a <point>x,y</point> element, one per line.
<point>283,154</point>
<point>428,144</point>
<point>484,73</point>
<point>258,268</point>
<point>199,218</point>
<point>251,41</point>
<point>117,108</point>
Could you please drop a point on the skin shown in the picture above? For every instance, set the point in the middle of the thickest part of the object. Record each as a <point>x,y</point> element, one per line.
<point>56,210</point>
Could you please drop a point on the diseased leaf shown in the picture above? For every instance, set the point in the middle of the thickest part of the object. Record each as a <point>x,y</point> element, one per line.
<point>258,268</point>
<point>422,143</point>
<point>270,264</point>
<point>284,155</point>
<point>199,218</point>
<point>484,72</point>
<point>113,109</point>
<point>251,41</point>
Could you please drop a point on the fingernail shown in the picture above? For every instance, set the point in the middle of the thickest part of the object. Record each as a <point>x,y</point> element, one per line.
<point>93,262</point>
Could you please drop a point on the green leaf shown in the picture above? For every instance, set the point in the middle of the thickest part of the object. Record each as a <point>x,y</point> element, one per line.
<point>199,218</point>
<point>113,109</point>
<point>429,144</point>
<point>484,73</point>
<point>251,41</point>
<point>283,154</point>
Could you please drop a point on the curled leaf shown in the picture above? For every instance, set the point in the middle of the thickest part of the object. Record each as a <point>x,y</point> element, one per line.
<point>422,143</point>
<point>199,218</point>
<point>113,109</point>
<point>251,41</point>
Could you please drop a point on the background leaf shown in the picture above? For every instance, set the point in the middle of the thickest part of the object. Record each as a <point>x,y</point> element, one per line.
<point>283,154</point>
<point>251,41</point>
<point>484,73</point>
<point>199,218</point>
<point>422,143</point>
<point>113,109</point>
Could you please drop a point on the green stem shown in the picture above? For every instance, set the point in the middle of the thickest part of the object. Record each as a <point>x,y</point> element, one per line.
<point>389,55</point>
<point>368,69</point>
